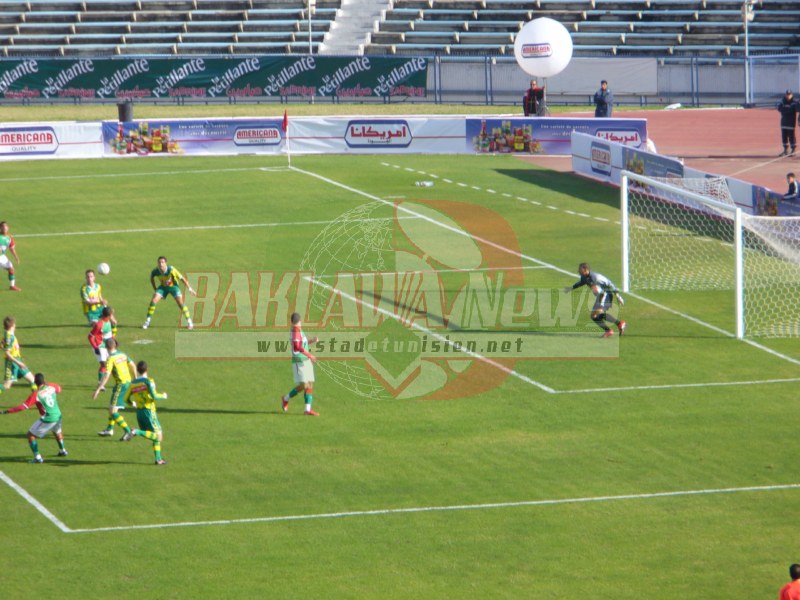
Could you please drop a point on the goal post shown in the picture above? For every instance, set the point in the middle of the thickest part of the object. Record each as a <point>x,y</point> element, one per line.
<point>676,239</point>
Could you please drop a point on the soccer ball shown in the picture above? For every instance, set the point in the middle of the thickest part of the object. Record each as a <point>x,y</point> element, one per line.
<point>103,269</point>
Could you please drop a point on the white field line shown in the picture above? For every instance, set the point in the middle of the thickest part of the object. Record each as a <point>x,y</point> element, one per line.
<point>398,511</point>
<point>657,305</point>
<point>673,386</point>
<point>438,336</point>
<point>35,503</point>
<point>152,174</point>
<point>192,228</point>
<point>479,270</point>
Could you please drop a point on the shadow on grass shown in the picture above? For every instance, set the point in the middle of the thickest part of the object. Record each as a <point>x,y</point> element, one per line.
<point>566,183</point>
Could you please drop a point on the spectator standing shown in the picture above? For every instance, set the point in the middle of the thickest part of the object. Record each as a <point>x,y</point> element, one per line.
<point>789,109</point>
<point>603,101</point>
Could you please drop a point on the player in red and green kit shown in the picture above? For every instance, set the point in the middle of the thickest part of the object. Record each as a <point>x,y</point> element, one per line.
<point>92,298</point>
<point>122,368</point>
<point>169,280</point>
<point>103,329</point>
<point>7,245</point>
<point>302,367</point>
<point>44,396</point>
<point>14,367</point>
<point>143,395</point>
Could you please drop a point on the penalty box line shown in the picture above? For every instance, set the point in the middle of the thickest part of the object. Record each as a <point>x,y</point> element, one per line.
<point>536,261</point>
<point>438,336</point>
<point>398,511</point>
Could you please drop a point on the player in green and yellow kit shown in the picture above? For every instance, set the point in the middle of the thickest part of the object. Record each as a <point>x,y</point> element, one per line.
<point>143,395</point>
<point>7,245</point>
<point>92,298</point>
<point>14,367</point>
<point>122,368</point>
<point>169,279</point>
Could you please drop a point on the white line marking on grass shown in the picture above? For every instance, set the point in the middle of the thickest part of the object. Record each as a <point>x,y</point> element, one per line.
<point>35,503</point>
<point>480,270</point>
<point>193,228</point>
<point>730,334</point>
<point>153,174</point>
<point>660,306</point>
<point>438,336</point>
<point>431,509</point>
<point>671,386</point>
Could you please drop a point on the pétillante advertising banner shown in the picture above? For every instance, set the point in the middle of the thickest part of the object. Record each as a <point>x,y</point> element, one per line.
<point>251,77</point>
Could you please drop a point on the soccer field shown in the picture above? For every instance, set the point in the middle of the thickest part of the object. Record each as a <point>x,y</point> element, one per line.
<point>477,438</point>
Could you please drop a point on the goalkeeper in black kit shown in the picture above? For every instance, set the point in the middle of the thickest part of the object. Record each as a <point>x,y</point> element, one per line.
<point>604,292</point>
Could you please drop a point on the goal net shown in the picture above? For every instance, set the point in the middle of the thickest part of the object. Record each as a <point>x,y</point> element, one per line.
<point>681,235</point>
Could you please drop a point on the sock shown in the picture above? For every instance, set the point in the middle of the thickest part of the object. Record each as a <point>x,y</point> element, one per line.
<point>292,393</point>
<point>11,279</point>
<point>599,320</point>
<point>157,449</point>
<point>151,310</point>
<point>309,399</point>
<point>60,443</point>
<point>119,420</point>
<point>612,319</point>
<point>185,311</point>
<point>34,446</point>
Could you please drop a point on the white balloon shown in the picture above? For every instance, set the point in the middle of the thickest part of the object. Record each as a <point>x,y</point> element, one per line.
<point>543,47</point>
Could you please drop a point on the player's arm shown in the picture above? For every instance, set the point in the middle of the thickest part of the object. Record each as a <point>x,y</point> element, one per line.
<point>12,246</point>
<point>151,389</point>
<point>29,402</point>
<point>582,281</point>
<point>297,345</point>
<point>153,280</point>
<point>181,277</point>
<point>96,336</point>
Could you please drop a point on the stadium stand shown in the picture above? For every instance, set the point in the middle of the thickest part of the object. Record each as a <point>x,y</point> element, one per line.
<point>44,28</point>
<point>429,27</point>
<point>631,27</point>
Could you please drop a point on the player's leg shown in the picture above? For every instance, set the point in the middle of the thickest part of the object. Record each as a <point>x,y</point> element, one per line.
<point>59,435</point>
<point>6,264</point>
<point>292,393</point>
<point>183,308</point>
<point>114,418</point>
<point>308,395</point>
<point>150,428</point>
<point>37,430</point>
<point>792,141</point>
<point>151,309</point>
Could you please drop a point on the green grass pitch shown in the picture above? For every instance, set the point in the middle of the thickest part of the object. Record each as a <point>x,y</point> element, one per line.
<point>562,479</point>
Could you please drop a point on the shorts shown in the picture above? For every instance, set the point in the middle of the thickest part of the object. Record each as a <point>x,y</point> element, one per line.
<point>40,429</point>
<point>148,420</point>
<point>303,372</point>
<point>101,354</point>
<point>118,395</point>
<point>94,314</point>
<point>5,262</point>
<point>14,371</point>
<point>172,290</point>
<point>603,301</point>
